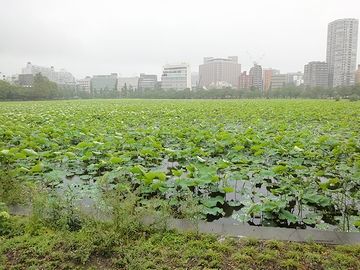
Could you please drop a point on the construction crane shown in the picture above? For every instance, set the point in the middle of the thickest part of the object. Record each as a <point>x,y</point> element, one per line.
<point>257,60</point>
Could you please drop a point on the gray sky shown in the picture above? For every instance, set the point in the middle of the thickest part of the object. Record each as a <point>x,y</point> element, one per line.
<point>89,37</point>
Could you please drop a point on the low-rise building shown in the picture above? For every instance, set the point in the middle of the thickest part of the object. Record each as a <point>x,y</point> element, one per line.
<point>278,81</point>
<point>61,77</point>
<point>103,83</point>
<point>176,77</point>
<point>147,81</point>
<point>84,85</point>
<point>316,74</point>
<point>295,78</point>
<point>26,80</point>
<point>130,83</point>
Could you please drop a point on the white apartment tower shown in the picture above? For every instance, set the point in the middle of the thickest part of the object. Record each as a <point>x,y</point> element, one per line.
<point>341,51</point>
<point>177,77</point>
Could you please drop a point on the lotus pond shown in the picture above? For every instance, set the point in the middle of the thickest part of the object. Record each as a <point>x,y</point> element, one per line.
<point>288,163</point>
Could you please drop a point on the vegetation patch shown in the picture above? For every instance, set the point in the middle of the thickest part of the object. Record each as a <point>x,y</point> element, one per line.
<point>100,245</point>
<point>263,162</point>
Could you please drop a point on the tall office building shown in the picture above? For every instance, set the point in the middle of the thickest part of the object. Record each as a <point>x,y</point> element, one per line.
<point>341,51</point>
<point>267,77</point>
<point>316,74</point>
<point>244,81</point>
<point>147,81</point>
<point>216,72</point>
<point>176,77</point>
<point>256,81</point>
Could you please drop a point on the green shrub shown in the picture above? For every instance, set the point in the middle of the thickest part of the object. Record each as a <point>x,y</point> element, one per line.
<point>54,211</point>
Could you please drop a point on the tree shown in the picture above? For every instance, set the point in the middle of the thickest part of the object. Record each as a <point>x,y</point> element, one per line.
<point>43,88</point>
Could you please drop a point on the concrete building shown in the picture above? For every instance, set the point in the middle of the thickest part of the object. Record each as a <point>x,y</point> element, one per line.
<point>316,74</point>
<point>62,77</point>
<point>12,79</point>
<point>103,83</point>
<point>295,78</point>
<point>267,76</point>
<point>341,53</point>
<point>244,81</point>
<point>278,81</point>
<point>219,71</point>
<point>130,83</point>
<point>147,81</point>
<point>357,75</point>
<point>84,85</point>
<point>26,80</point>
<point>45,71</point>
<point>194,80</point>
<point>255,74</point>
<point>176,76</point>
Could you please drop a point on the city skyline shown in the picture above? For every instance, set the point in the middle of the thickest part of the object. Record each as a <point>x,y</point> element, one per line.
<point>132,41</point>
<point>218,72</point>
<point>341,52</point>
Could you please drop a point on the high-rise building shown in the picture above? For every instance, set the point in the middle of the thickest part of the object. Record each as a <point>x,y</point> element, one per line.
<point>176,77</point>
<point>130,83</point>
<point>219,71</point>
<point>256,77</point>
<point>104,83</point>
<point>357,75</point>
<point>341,51</point>
<point>84,84</point>
<point>244,81</point>
<point>62,77</point>
<point>267,76</point>
<point>316,74</point>
<point>147,81</point>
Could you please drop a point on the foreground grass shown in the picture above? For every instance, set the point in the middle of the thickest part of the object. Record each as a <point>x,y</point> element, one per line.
<point>107,246</point>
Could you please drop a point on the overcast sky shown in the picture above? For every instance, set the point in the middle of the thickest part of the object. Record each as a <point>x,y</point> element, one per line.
<point>128,37</point>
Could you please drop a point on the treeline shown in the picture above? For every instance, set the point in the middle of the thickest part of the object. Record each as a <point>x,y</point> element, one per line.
<point>43,89</point>
<point>352,92</point>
